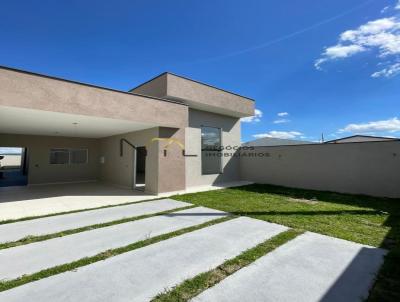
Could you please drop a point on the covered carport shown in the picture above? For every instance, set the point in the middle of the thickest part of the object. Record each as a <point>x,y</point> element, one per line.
<point>73,134</point>
<point>65,148</point>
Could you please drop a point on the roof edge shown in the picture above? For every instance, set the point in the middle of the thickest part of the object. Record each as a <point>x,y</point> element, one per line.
<point>361,135</point>
<point>195,81</point>
<point>88,85</point>
<point>324,144</point>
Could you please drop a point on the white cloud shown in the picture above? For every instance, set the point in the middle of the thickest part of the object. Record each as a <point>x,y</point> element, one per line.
<point>390,125</point>
<point>282,114</point>
<point>281,121</point>
<point>385,9</point>
<point>342,51</point>
<point>388,72</point>
<point>279,134</point>
<point>381,35</point>
<point>253,119</point>
<point>338,51</point>
<point>398,5</point>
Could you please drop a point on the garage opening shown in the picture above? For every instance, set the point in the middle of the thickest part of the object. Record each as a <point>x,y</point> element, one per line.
<point>140,168</point>
<point>13,166</point>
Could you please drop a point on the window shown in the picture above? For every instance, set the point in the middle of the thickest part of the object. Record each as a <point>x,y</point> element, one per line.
<point>78,156</point>
<point>59,156</point>
<point>68,156</point>
<point>211,150</point>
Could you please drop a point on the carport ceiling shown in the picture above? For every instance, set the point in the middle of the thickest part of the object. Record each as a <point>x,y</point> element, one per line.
<point>37,122</point>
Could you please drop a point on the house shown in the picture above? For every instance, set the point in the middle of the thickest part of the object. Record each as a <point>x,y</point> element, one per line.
<point>272,141</point>
<point>158,135</point>
<point>360,139</point>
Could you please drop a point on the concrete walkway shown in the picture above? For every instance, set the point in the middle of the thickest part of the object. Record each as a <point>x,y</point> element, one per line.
<point>310,268</point>
<point>31,258</point>
<point>20,202</point>
<point>54,224</point>
<point>141,274</point>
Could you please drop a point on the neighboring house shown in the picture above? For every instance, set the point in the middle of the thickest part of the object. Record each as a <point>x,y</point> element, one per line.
<point>72,132</point>
<point>360,139</point>
<point>271,141</point>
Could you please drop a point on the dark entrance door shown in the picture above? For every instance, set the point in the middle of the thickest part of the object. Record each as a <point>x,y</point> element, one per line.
<point>140,168</point>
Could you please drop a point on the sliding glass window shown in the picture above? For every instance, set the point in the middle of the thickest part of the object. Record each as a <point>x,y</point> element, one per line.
<point>211,162</point>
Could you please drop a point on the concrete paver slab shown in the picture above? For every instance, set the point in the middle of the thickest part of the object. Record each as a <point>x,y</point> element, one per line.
<point>41,226</point>
<point>311,267</point>
<point>31,258</point>
<point>19,202</point>
<point>141,274</point>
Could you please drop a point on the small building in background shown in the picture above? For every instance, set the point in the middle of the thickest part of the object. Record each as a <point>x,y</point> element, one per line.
<point>360,139</point>
<point>272,141</point>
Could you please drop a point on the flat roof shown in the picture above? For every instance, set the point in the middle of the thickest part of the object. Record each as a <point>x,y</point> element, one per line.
<point>189,79</point>
<point>89,85</point>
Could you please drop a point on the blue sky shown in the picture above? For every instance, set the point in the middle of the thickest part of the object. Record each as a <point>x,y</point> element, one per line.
<point>332,66</point>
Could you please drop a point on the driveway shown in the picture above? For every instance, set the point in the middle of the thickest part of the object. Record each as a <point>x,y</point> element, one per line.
<point>38,200</point>
<point>311,267</point>
<point>19,202</point>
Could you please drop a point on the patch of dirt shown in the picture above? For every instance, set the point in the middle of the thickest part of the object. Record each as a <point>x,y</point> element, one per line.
<point>216,277</point>
<point>302,200</point>
<point>230,269</point>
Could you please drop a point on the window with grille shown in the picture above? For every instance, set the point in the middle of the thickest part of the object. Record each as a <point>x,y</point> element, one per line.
<point>211,150</point>
<point>60,156</point>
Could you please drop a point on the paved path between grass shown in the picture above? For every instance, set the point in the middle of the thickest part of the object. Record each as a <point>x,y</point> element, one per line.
<point>38,200</point>
<point>42,226</point>
<point>311,267</point>
<point>141,274</point>
<point>31,258</point>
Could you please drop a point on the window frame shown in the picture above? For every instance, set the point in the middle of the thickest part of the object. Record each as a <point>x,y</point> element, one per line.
<point>78,149</point>
<point>69,151</point>
<point>220,168</point>
<point>52,150</point>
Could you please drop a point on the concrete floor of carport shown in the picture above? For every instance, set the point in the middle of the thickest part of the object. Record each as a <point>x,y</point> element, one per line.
<point>38,200</point>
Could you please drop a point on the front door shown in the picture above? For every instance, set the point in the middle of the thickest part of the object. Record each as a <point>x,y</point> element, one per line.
<point>140,177</point>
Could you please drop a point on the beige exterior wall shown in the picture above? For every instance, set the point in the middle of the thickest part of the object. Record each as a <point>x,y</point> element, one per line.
<point>166,172</point>
<point>172,164</point>
<point>39,168</point>
<point>20,89</point>
<point>208,97</point>
<point>370,168</point>
<point>119,170</point>
<point>163,173</point>
<point>230,137</point>
<point>197,95</point>
<point>156,87</point>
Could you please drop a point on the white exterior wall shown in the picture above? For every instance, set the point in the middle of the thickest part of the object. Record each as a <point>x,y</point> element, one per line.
<point>230,137</point>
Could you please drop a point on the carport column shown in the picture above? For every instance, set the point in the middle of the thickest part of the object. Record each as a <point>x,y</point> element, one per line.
<point>171,162</point>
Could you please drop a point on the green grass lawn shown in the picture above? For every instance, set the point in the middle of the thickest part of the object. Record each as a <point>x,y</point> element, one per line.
<point>368,220</point>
